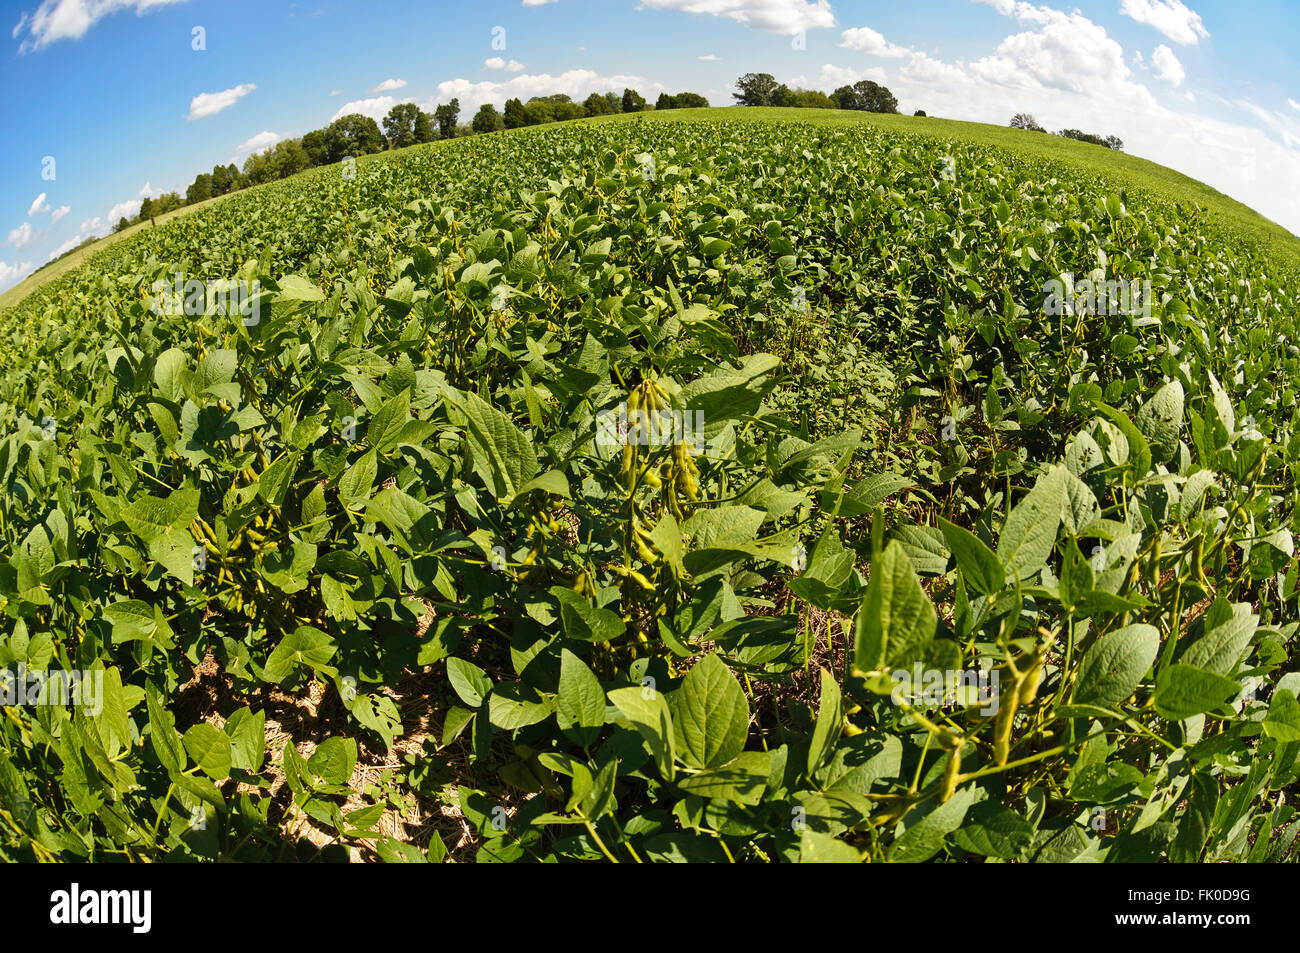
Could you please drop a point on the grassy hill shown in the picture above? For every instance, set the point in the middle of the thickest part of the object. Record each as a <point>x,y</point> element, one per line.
<point>1129,172</point>
<point>598,491</point>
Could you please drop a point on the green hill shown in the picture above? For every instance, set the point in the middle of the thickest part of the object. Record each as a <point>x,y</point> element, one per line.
<point>771,486</point>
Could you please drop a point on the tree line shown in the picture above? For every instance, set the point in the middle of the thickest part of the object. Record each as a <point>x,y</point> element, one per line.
<point>762,89</point>
<point>1028,123</point>
<point>405,125</point>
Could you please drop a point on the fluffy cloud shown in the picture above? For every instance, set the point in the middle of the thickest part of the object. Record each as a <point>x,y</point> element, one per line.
<point>58,213</point>
<point>209,104</point>
<point>376,107</point>
<point>577,83</point>
<point>708,58</point>
<point>1170,17</point>
<point>70,19</point>
<point>21,236</point>
<point>774,16</point>
<point>263,140</point>
<point>1167,66</point>
<point>147,191</point>
<point>537,3</point>
<point>510,66</point>
<point>1294,104</point>
<point>833,77</point>
<point>863,39</point>
<point>38,206</point>
<point>389,85</point>
<point>10,275</point>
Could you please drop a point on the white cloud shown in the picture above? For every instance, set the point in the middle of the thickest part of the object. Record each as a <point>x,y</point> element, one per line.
<point>863,39</point>
<point>147,191</point>
<point>58,213</point>
<point>130,209</point>
<point>389,85</point>
<point>833,77</point>
<point>38,206</point>
<point>70,19</point>
<point>21,236</point>
<point>510,66</point>
<point>1167,66</point>
<point>537,3</point>
<point>708,58</point>
<point>10,275</point>
<point>1070,52</point>
<point>1170,17</point>
<point>376,107</point>
<point>263,140</point>
<point>577,83</point>
<point>209,104</point>
<point>1294,104</point>
<point>336,92</point>
<point>774,16</point>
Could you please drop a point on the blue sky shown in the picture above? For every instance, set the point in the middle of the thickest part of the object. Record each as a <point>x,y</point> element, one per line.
<point>105,101</point>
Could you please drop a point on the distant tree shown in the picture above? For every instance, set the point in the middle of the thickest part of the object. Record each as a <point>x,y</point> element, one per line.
<point>812,99</point>
<point>200,189</point>
<point>615,101</point>
<point>690,101</point>
<point>783,95</point>
<point>146,209</point>
<point>1114,142</point>
<point>846,98</point>
<point>353,135</point>
<point>874,97</point>
<point>224,179</point>
<point>665,102</point>
<point>563,111</point>
<point>756,89</point>
<point>317,145</point>
<point>1081,136</point>
<point>633,102</point>
<point>539,111</point>
<point>424,127</point>
<point>446,117</point>
<point>919,112</point>
<point>516,115</point>
<point>1026,121</point>
<point>290,158</point>
<point>399,125</point>
<point>598,105</point>
<point>487,119</point>
<point>121,224</point>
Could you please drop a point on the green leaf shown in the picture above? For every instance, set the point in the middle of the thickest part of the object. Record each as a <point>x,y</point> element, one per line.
<point>1030,529</point>
<point>580,705</point>
<point>994,830</point>
<point>1183,691</point>
<point>830,722</point>
<point>386,426</point>
<point>896,620</point>
<point>469,681</point>
<point>503,457</point>
<point>710,714</point>
<point>818,848</point>
<point>1115,665</point>
<point>333,760</point>
<point>167,744</point>
<point>513,705</point>
<point>584,621</point>
<point>298,288</point>
<point>210,750</point>
<point>304,646</point>
<point>1283,719</point>
<point>980,567</point>
<point>1160,420</point>
<point>648,713</point>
